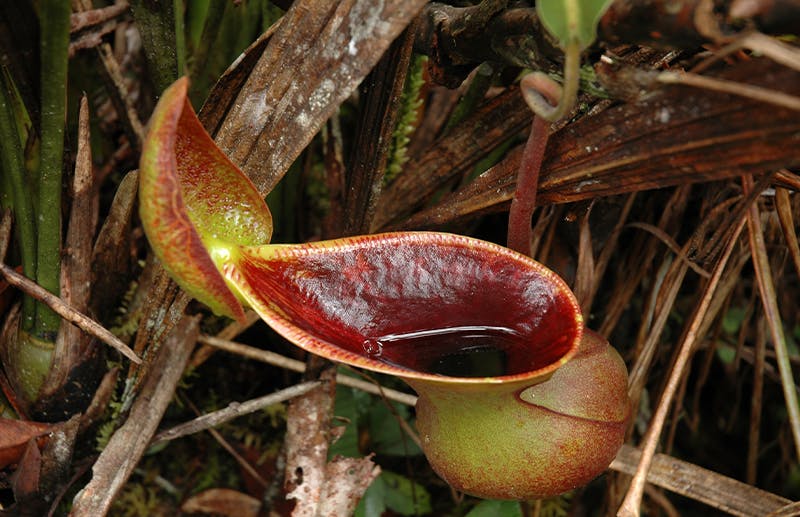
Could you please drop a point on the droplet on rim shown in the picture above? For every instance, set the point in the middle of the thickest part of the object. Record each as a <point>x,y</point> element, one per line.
<point>372,347</point>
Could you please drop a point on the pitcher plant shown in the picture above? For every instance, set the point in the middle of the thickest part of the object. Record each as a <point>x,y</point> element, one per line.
<point>516,399</point>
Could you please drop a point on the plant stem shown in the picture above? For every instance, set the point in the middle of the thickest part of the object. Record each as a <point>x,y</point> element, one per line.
<point>55,18</point>
<point>14,177</point>
<point>524,202</point>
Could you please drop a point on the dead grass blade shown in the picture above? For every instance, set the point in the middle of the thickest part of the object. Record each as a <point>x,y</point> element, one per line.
<point>585,278</point>
<point>609,247</point>
<point>672,245</point>
<point>111,256</point>
<point>631,503</point>
<point>659,307</point>
<point>756,403</point>
<point>664,140</point>
<point>784,208</point>
<point>72,346</point>
<point>640,260</point>
<point>769,301</point>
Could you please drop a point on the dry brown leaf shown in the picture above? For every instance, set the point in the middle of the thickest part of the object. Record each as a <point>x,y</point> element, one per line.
<point>14,437</point>
<point>223,501</point>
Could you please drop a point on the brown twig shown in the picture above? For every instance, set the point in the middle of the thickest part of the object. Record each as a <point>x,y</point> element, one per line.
<point>233,329</point>
<point>717,491</point>
<point>294,365</point>
<point>83,20</point>
<point>632,501</point>
<point>129,442</point>
<point>68,313</point>
<point>233,410</point>
<point>766,289</point>
<point>758,93</point>
<point>231,450</point>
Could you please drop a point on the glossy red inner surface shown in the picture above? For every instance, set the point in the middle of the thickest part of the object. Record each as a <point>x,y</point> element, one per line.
<point>415,304</point>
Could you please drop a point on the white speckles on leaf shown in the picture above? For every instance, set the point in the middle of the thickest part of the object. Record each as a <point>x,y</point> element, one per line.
<point>258,109</point>
<point>320,98</point>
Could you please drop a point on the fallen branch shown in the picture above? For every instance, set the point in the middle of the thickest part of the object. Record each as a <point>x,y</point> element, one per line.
<point>233,410</point>
<point>84,322</point>
<point>706,486</point>
<point>129,442</point>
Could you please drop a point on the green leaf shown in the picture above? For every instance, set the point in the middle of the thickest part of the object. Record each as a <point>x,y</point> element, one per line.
<point>570,20</point>
<point>732,321</point>
<point>373,504</point>
<point>404,496</point>
<point>351,405</point>
<point>725,353</point>
<point>394,492</point>
<point>496,509</point>
<point>387,437</point>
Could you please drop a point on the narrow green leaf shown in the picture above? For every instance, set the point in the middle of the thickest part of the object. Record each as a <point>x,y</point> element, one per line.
<point>55,19</point>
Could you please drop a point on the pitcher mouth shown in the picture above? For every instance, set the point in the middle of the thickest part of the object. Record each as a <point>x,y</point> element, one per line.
<point>419,305</point>
<point>427,358</point>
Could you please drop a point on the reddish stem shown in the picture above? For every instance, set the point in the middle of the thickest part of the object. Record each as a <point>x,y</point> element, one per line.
<point>519,218</point>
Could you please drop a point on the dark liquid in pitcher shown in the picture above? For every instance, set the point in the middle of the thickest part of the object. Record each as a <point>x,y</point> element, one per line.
<point>468,351</point>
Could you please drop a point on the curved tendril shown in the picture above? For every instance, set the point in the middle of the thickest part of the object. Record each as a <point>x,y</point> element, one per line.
<point>524,202</point>
<point>537,87</point>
